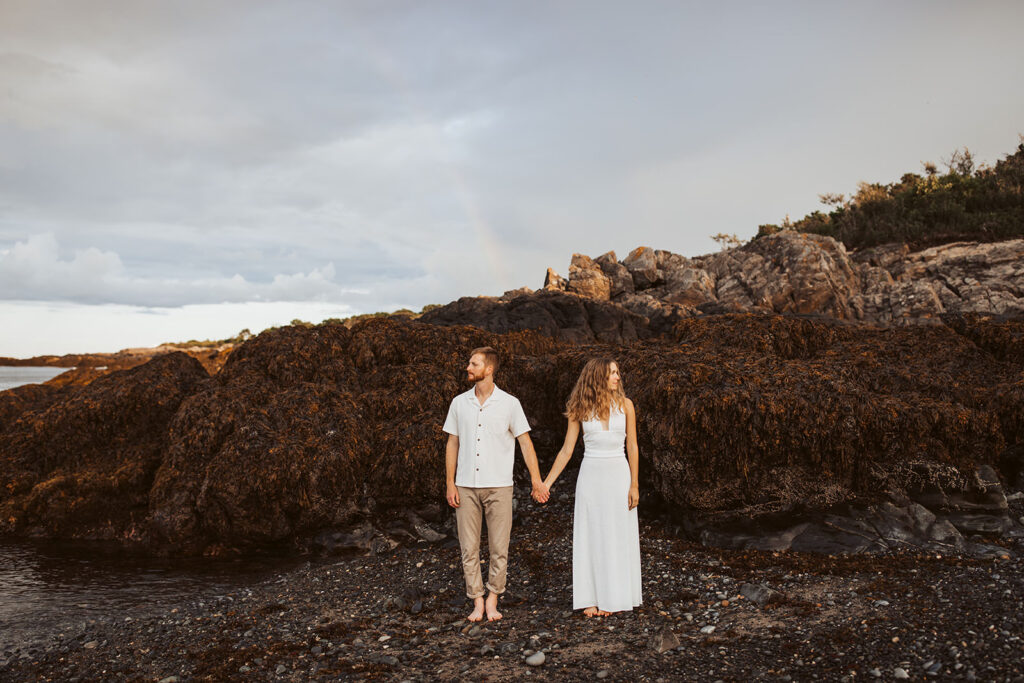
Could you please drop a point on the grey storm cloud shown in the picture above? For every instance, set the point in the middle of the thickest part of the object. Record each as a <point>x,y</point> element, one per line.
<point>163,154</point>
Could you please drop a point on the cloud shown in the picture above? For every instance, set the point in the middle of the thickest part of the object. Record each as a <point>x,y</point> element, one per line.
<point>34,270</point>
<point>398,154</point>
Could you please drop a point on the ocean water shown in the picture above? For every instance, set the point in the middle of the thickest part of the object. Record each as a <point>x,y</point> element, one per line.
<point>11,377</point>
<point>49,588</point>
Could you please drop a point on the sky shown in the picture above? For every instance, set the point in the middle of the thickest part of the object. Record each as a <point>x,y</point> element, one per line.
<point>174,171</point>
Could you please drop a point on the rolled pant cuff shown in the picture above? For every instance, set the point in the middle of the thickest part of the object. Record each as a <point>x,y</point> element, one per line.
<point>494,591</point>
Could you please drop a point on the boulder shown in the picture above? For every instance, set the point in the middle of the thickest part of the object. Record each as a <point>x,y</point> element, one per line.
<point>554,281</point>
<point>642,264</point>
<point>587,279</point>
<point>621,282</point>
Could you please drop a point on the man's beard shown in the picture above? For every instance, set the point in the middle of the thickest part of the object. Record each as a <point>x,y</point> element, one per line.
<point>474,378</point>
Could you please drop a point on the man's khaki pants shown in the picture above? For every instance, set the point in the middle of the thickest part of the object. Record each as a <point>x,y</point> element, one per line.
<point>474,505</point>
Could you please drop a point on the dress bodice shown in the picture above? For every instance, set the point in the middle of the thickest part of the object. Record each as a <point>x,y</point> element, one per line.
<point>601,442</point>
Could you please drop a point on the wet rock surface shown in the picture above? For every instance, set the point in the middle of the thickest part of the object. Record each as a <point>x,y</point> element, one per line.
<point>854,617</point>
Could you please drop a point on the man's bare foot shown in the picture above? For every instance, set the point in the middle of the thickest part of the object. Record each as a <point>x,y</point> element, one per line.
<point>590,612</point>
<point>602,613</point>
<point>478,609</point>
<point>492,608</point>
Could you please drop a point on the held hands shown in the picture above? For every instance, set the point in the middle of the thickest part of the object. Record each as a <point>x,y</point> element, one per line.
<point>452,495</point>
<point>634,496</point>
<point>540,492</point>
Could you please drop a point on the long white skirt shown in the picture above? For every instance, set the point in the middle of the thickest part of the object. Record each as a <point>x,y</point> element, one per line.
<point>605,538</point>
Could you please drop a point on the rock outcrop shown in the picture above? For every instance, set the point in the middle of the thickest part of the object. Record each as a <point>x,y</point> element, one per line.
<point>79,461</point>
<point>803,273</point>
<point>566,317</point>
<point>85,367</point>
<point>323,432</point>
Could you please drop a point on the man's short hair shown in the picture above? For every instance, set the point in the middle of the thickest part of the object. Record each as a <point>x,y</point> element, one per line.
<point>489,354</point>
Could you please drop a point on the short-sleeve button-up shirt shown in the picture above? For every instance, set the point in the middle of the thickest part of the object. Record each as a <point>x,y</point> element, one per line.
<point>487,437</point>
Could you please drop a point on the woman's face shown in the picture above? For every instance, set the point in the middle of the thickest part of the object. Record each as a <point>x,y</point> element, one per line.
<point>613,377</point>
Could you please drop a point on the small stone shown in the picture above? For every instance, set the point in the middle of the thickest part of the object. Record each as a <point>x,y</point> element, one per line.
<point>900,673</point>
<point>663,641</point>
<point>603,673</point>
<point>170,679</point>
<point>486,650</point>
<point>758,593</point>
<point>708,629</point>
<point>281,668</point>
<point>317,650</point>
<point>383,638</point>
<point>881,603</point>
<point>875,672</point>
<point>91,645</point>
<point>536,659</point>
<point>475,631</point>
<point>244,669</point>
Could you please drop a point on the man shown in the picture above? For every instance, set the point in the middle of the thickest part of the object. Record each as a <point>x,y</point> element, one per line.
<point>483,426</point>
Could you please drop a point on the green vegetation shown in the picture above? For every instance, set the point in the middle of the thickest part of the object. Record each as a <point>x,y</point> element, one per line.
<point>968,202</point>
<point>213,343</point>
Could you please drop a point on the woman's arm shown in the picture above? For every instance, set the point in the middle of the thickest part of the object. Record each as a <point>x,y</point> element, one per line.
<point>633,452</point>
<point>572,431</point>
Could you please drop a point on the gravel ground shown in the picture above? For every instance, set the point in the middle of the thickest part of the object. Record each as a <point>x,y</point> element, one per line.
<point>401,616</point>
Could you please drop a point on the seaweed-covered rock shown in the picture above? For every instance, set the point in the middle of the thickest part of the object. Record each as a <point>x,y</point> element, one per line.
<point>82,464</point>
<point>313,428</point>
<point>565,317</point>
<point>318,430</point>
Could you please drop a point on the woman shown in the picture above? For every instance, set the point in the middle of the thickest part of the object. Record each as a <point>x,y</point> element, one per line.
<point>605,531</point>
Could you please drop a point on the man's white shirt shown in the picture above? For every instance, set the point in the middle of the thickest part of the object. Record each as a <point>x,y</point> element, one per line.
<point>487,437</point>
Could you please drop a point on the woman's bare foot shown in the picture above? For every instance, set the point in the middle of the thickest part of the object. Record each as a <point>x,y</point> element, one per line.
<point>478,609</point>
<point>492,607</point>
<point>602,613</point>
<point>590,612</point>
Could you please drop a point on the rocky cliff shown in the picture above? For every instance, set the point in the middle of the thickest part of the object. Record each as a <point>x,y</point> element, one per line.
<point>789,272</point>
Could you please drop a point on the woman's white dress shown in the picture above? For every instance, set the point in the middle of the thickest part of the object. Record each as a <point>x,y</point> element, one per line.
<point>605,532</point>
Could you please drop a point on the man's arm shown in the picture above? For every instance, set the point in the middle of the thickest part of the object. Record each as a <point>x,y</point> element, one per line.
<point>540,491</point>
<point>451,459</point>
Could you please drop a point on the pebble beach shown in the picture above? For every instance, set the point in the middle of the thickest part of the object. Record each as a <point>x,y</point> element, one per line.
<point>708,614</point>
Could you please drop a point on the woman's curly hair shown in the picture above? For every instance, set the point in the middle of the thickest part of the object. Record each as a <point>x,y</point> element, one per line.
<point>590,398</point>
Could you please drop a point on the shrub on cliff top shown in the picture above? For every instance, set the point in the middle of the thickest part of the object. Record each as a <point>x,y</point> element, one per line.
<point>984,204</point>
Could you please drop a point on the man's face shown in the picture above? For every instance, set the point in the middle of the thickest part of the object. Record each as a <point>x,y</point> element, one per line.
<point>476,370</point>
